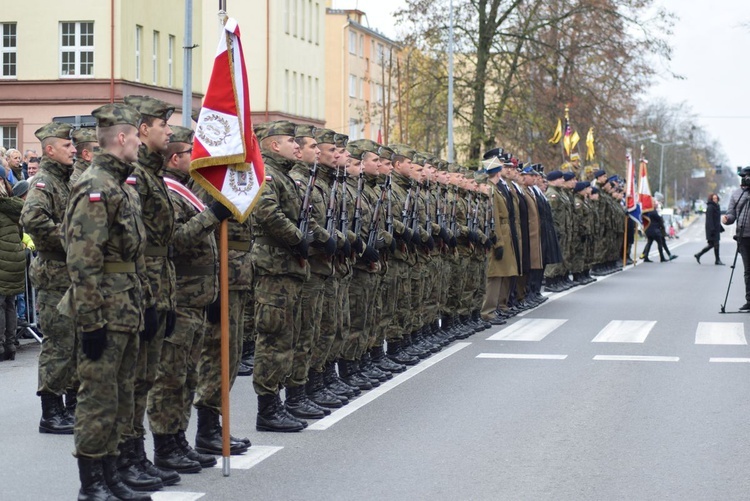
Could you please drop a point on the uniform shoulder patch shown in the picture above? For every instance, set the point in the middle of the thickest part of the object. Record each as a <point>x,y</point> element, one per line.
<point>95,197</point>
<point>39,185</point>
<point>269,178</point>
<point>131,180</point>
<point>552,196</point>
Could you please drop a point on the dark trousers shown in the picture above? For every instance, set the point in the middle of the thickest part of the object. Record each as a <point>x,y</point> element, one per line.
<point>712,244</point>
<point>744,248</point>
<point>647,248</point>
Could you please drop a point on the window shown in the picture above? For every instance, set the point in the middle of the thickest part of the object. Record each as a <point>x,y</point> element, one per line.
<point>302,16</point>
<point>310,97</point>
<point>381,54</point>
<point>293,19</point>
<point>76,49</point>
<point>361,93</point>
<point>294,93</point>
<point>316,99</point>
<point>286,90</point>
<point>352,86</point>
<point>285,15</point>
<point>379,94</point>
<point>361,46</point>
<point>170,62</point>
<point>138,43</point>
<point>155,59</point>
<point>352,43</point>
<point>9,136</point>
<point>301,95</point>
<point>353,129</point>
<point>317,23</point>
<point>9,50</point>
<point>309,21</point>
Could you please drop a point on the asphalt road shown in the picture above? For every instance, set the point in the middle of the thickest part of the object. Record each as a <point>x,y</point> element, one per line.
<point>634,387</point>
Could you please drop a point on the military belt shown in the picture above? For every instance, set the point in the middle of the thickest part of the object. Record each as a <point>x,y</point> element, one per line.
<point>270,241</point>
<point>194,271</point>
<point>51,256</point>
<point>154,251</point>
<point>238,245</point>
<point>121,267</point>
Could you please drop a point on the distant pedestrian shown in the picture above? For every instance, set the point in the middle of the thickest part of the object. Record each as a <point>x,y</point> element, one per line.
<point>654,234</point>
<point>713,228</point>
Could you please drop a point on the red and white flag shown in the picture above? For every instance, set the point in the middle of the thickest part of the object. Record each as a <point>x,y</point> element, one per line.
<point>226,158</point>
<point>644,190</point>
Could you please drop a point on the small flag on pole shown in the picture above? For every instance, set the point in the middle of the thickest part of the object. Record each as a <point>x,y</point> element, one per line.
<point>558,133</point>
<point>644,189</point>
<point>590,149</point>
<point>568,132</point>
<point>631,196</point>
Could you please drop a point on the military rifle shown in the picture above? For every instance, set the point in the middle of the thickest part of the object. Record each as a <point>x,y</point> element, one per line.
<point>306,209</point>
<point>358,205</point>
<point>373,234</point>
<point>389,211</point>
<point>331,210</point>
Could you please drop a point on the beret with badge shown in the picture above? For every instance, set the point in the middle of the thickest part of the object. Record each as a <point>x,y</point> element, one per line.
<point>84,135</point>
<point>279,128</point>
<point>53,129</point>
<point>150,106</point>
<point>181,135</point>
<point>359,147</point>
<point>113,114</point>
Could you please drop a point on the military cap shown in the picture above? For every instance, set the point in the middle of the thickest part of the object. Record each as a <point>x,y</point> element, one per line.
<point>494,152</point>
<point>469,174</point>
<point>580,186</point>
<point>419,158</point>
<point>403,150</point>
<point>453,167</point>
<point>325,136</point>
<point>442,166</point>
<point>195,115</point>
<point>386,152</point>
<point>53,129</point>
<point>555,174</point>
<point>116,114</point>
<point>147,105</point>
<point>480,177</point>
<point>492,165</point>
<point>84,135</point>
<point>341,140</point>
<point>20,188</point>
<point>567,176</point>
<point>613,179</point>
<point>279,128</point>
<point>594,190</point>
<point>181,135</point>
<point>528,170</point>
<point>260,128</point>
<point>304,130</point>
<point>600,172</point>
<point>359,147</point>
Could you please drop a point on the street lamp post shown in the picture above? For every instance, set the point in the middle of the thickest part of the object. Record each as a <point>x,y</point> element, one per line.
<point>661,164</point>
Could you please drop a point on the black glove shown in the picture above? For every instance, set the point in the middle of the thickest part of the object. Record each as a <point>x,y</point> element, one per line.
<point>220,211</point>
<point>94,342</point>
<point>346,250</point>
<point>150,324</point>
<point>493,239</point>
<point>499,251</point>
<point>393,246</point>
<point>302,249</point>
<point>407,235</point>
<point>370,255</point>
<point>330,247</point>
<point>416,239</point>
<point>213,311</point>
<point>473,237</point>
<point>444,235</point>
<point>171,322</point>
<point>488,244</point>
<point>359,246</point>
<point>453,243</point>
<point>430,244</point>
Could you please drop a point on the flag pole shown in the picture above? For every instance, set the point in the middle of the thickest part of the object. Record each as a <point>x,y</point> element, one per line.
<point>625,244</point>
<point>224,303</point>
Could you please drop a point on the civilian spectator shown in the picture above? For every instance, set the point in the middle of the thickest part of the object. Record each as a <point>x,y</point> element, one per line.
<point>12,271</point>
<point>20,190</point>
<point>13,156</point>
<point>6,188</point>
<point>33,168</point>
<point>28,154</point>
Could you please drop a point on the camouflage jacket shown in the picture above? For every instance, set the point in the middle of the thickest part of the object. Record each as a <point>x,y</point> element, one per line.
<point>275,222</point>
<point>78,168</point>
<point>195,253</point>
<point>462,229</point>
<point>42,218</point>
<point>103,225</point>
<point>400,187</point>
<point>320,263</point>
<point>366,217</point>
<point>158,218</point>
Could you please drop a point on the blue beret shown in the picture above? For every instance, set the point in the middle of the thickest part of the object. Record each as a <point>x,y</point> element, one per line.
<point>600,172</point>
<point>580,186</point>
<point>567,176</point>
<point>612,179</point>
<point>555,174</point>
<point>594,190</point>
<point>528,170</point>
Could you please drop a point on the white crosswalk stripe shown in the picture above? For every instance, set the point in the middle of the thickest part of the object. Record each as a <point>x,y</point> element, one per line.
<point>252,457</point>
<point>528,329</point>
<point>625,331</point>
<point>177,496</point>
<point>732,333</point>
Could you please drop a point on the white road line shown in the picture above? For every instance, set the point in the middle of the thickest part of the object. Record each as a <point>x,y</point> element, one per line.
<point>528,329</point>
<point>635,358</point>
<point>523,356</point>
<point>371,395</point>
<point>176,496</point>
<point>254,455</point>
<point>624,331</point>
<point>730,360</point>
<point>720,333</point>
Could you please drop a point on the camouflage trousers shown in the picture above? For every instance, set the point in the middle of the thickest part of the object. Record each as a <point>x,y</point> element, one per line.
<point>8,323</point>
<point>327,325</point>
<point>149,354</point>
<point>385,305</point>
<point>278,321</point>
<point>248,324</point>
<point>57,359</point>
<point>416,279</point>
<point>402,312</point>
<point>343,320</point>
<point>469,287</point>
<point>444,279</point>
<point>170,399</point>
<point>208,389</point>
<point>362,291</point>
<point>455,285</point>
<point>313,294</point>
<point>432,287</point>
<point>105,396</point>
<point>479,265</point>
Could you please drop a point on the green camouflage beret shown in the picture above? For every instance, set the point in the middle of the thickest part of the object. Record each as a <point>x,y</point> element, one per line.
<point>480,177</point>
<point>304,131</point>
<point>53,129</point>
<point>181,135</point>
<point>147,105</point>
<point>403,150</point>
<point>341,140</point>
<point>452,167</point>
<point>259,129</point>
<point>279,128</point>
<point>195,114</point>
<point>386,152</point>
<point>419,158</point>
<point>442,165</point>
<point>116,114</point>
<point>84,135</point>
<point>359,147</point>
<point>325,136</point>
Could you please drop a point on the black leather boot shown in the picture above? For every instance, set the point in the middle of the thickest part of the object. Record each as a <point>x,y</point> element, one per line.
<point>53,416</point>
<point>169,455</point>
<point>115,483</point>
<point>71,402</point>
<point>370,371</point>
<point>247,361</point>
<point>208,437</point>
<point>271,417</point>
<point>93,486</point>
<point>205,460</point>
<point>397,354</point>
<point>377,354</point>
<point>299,406</point>
<point>349,373</point>
<point>337,386</point>
<point>135,474</point>
<point>321,395</point>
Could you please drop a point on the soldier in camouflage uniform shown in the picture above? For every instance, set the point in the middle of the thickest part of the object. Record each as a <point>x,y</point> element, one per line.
<point>554,274</point>
<point>86,145</point>
<point>279,257</point>
<point>104,240</point>
<point>42,218</point>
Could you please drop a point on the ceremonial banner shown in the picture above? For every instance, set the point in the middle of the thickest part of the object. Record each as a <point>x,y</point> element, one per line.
<point>644,190</point>
<point>631,196</point>
<point>558,133</point>
<point>568,133</point>
<point>590,150</point>
<point>226,158</point>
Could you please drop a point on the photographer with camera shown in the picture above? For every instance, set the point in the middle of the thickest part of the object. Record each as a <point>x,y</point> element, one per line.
<point>738,210</point>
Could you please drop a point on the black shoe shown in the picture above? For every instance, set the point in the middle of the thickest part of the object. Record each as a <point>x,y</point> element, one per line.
<point>168,454</point>
<point>244,369</point>
<point>398,355</point>
<point>272,418</point>
<point>115,483</point>
<point>719,263</point>
<point>54,418</point>
<point>697,258</point>
<point>300,406</point>
<point>134,474</point>
<point>208,438</point>
<point>349,373</point>
<point>337,386</point>
<point>370,371</point>
<point>93,486</point>
<point>496,320</point>
<point>384,363</point>
<point>745,307</point>
<point>205,460</point>
<point>672,257</point>
<point>647,260</point>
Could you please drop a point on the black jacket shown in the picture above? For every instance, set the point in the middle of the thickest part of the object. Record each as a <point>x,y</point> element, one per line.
<point>713,222</point>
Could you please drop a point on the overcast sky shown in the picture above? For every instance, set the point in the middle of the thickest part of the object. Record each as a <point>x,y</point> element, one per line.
<point>711,50</point>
